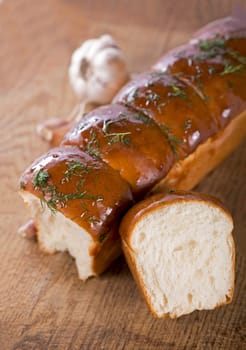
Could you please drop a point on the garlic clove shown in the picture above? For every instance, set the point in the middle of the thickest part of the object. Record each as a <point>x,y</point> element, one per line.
<point>98,70</point>
<point>107,57</point>
<point>28,230</point>
<point>106,41</point>
<point>84,50</point>
<point>53,130</point>
<point>45,129</point>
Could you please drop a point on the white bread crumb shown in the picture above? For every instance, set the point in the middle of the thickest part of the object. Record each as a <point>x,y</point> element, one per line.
<point>183,256</point>
<point>58,233</point>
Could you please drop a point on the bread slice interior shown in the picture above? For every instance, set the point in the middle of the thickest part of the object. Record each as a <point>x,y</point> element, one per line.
<point>58,233</point>
<point>182,255</point>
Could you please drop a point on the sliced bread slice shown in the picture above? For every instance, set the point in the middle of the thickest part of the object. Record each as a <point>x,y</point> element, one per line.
<point>180,249</point>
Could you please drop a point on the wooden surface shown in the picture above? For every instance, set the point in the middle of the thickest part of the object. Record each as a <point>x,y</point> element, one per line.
<point>43,305</point>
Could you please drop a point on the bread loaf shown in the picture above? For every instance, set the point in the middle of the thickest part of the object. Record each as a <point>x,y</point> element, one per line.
<point>76,202</point>
<point>167,128</point>
<point>196,95</point>
<point>180,249</point>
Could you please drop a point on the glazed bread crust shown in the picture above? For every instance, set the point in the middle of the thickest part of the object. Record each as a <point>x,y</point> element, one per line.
<point>167,128</point>
<point>87,192</point>
<point>198,97</point>
<point>128,141</point>
<point>187,173</point>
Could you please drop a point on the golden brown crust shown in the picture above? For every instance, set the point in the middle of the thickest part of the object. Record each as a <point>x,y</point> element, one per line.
<point>229,296</point>
<point>128,141</point>
<point>195,105</point>
<point>138,211</point>
<point>229,27</point>
<point>216,71</point>
<point>187,173</point>
<point>83,189</point>
<point>111,251</point>
<point>181,114</point>
<point>195,92</point>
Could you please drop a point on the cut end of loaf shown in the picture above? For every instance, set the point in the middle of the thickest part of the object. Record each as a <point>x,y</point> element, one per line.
<point>56,233</point>
<point>182,255</point>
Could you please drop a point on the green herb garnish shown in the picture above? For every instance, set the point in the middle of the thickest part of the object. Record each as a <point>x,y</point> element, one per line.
<point>41,178</point>
<point>143,117</point>
<point>231,69</point>
<point>52,197</point>
<point>106,125</point>
<point>207,45</point>
<point>92,219</point>
<point>102,236</point>
<point>172,140</point>
<point>40,182</point>
<point>76,169</point>
<point>236,56</point>
<point>210,48</point>
<point>149,95</point>
<point>197,80</point>
<point>51,204</point>
<point>132,95</point>
<point>177,92</point>
<point>79,195</point>
<point>215,47</point>
<point>114,137</point>
<point>120,137</point>
<point>138,115</point>
<point>92,147</point>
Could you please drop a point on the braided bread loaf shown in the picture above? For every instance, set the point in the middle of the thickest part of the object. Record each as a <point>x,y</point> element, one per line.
<point>167,128</point>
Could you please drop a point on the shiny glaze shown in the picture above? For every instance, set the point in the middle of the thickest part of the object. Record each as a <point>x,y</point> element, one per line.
<point>224,94</point>
<point>238,44</point>
<point>172,103</point>
<point>228,27</point>
<point>107,195</point>
<point>159,200</point>
<point>148,156</point>
<point>142,154</point>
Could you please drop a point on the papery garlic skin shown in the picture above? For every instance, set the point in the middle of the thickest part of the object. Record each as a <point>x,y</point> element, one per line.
<point>98,70</point>
<point>28,230</point>
<point>53,130</point>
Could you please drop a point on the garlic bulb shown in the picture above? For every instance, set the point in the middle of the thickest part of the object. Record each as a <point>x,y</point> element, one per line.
<point>97,70</point>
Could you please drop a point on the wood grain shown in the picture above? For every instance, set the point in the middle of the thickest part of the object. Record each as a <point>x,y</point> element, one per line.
<point>43,305</point>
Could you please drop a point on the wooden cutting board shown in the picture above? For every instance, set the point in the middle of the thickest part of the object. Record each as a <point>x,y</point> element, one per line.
<point>43,305</point>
